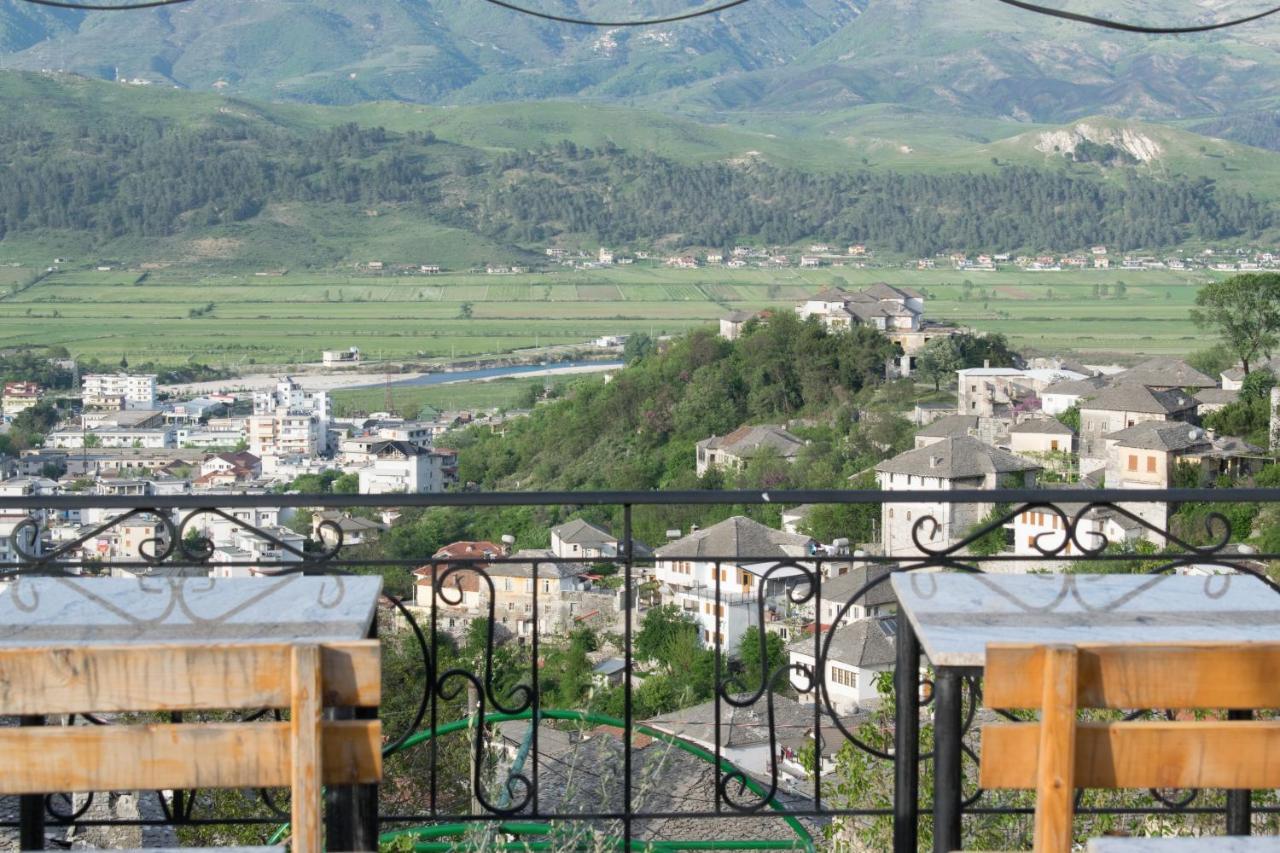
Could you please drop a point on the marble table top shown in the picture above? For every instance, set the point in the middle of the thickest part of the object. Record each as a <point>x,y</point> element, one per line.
<point>957,614</point>
<point>1216,844</point>
<point>76,611</point>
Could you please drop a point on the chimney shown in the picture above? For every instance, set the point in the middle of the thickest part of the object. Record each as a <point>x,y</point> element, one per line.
<point>673,533</point>
<point>508,541</point>
<point>986,362</point>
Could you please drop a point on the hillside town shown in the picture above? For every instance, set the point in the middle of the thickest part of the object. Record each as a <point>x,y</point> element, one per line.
<point>1044,420</point>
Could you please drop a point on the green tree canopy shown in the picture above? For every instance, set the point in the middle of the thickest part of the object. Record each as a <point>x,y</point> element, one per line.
<point>1244,310</point>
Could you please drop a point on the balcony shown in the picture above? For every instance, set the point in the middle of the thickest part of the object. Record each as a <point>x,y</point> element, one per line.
<point>489,746</point>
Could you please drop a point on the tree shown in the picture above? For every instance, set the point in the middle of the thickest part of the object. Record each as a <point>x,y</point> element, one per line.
<point>940,360</point>
<point>661,630</point>
<point>993,541</point>
<point>465,311</point>
<point>1071,417</point>
<point>1244,310</point>
<point>754,669</point>
<point>637,347</point>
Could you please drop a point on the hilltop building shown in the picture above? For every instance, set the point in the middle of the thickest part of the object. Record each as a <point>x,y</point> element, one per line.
<point>897,312</point>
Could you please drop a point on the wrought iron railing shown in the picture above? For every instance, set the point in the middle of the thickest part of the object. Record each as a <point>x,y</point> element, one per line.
<point>460,775</point>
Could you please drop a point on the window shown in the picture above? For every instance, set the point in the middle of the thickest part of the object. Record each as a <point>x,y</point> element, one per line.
<point>844,677</point>
<point>744,578</point>
<point>1031,541</point>
<point>1053,444</point>
<point>546,586</point>
<point>1151,464</point>
<point>1133,462</point>
<point>506,584</point>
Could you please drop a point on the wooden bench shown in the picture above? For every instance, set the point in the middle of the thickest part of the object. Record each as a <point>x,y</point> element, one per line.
<point>1058,754</point>
<point>302,753</point>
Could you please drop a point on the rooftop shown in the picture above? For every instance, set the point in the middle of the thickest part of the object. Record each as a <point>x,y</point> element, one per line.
<point>1164,372</point>
<point>736,537</point>
<point>956,457</point>
<point>1127,397</point>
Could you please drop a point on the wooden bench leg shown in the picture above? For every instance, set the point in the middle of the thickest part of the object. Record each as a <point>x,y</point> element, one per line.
<point>307,709</point>
<point>1055,773</point>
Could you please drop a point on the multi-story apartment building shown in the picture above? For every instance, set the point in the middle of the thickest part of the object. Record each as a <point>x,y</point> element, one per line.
<point>119,390</point>
<point>289,421</point>
<point>398,466</point>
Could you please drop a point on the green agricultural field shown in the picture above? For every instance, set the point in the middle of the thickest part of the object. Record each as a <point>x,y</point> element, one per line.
<point>165,315</point>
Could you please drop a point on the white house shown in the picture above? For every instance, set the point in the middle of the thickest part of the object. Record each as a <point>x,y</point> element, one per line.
<point>857,652</point>
<point>744,556</point>
<point>402,467</point>
<point>582,540</point>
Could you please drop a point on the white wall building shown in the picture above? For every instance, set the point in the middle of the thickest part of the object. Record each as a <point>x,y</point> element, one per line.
<point>949,464</point>
<point>289,421</point>
<point>119,390</point>
<point>400,467</point>
<point>744,554</point>
<point>858,651</point>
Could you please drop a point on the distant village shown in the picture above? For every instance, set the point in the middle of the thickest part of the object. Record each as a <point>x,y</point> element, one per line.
<point>859,256</point>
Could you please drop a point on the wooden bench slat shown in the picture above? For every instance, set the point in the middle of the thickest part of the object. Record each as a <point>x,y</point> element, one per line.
<point>178,677</point>
<point>197,755</point>
<point>1209,675</point>
<point>1142,754</point>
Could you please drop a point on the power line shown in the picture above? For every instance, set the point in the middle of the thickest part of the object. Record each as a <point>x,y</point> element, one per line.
<point>640,22</point>
<point>1134,28</point>
<point>151,4</point>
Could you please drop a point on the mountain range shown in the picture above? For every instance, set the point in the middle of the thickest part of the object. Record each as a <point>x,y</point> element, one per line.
<point>768,61</point>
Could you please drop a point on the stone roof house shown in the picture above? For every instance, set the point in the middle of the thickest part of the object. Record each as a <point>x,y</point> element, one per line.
<point>953,463</point>
<point>740,446</point>
<point>1164,373</point>
<point>1119,406</point>
<point>857,651</point>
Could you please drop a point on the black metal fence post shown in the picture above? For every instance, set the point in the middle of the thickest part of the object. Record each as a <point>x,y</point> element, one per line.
<point>351,811</point>
<point>906,740</point>
<point>947,732</point>
<point>1239,802</point>
<point>31,806</point>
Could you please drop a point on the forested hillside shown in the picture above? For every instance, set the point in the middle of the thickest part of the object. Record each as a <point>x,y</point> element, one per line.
<point>639,430</point>
<point>150,178</point>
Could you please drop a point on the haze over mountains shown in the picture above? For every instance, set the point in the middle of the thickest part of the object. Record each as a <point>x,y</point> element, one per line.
<point>972,58</point>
